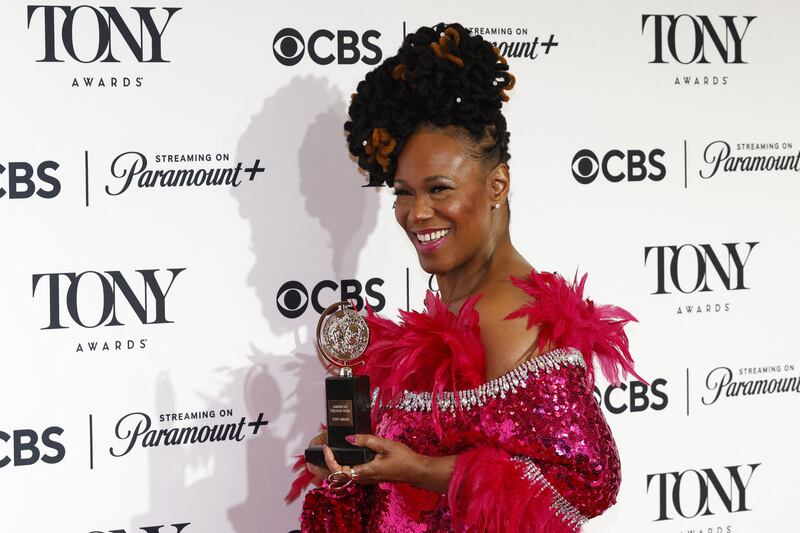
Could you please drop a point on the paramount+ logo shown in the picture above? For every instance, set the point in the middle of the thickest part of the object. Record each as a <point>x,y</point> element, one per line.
<point>323,47</point>
<point>293,297</point>
<point>617,165</point>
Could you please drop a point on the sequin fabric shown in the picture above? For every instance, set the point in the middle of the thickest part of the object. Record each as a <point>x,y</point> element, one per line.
<point>552,419</point>
<point>326,511</point>
<point>539,422</point>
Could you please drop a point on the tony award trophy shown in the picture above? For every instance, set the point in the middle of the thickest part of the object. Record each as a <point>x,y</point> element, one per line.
<point>342,337</point>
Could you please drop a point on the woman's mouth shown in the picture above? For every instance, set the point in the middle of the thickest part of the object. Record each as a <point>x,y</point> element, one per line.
<point>430,240</point>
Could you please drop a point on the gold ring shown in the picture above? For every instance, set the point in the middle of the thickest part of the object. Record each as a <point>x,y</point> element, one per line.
<point>339,480</point>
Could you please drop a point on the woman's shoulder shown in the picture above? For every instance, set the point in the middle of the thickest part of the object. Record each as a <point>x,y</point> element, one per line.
<point>507,342</point>
<point>541,311</point>
<point>512,320</point>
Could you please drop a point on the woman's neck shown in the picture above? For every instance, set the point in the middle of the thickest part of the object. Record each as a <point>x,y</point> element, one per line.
<point>476,274</point>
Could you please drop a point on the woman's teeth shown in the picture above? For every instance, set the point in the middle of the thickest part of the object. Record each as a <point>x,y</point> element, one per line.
<point>435,235</point>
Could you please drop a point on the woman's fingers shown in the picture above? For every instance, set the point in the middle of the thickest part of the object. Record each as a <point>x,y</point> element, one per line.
<point>330,460</point>
<point>319,440</point>
<point>367,473</point>
<point>318,471</point>
<point>376,444</point>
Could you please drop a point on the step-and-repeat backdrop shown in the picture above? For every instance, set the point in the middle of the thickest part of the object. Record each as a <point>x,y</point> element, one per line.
<point>177,206</point>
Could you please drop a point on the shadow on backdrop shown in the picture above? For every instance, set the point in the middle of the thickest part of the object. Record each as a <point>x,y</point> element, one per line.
<point>309,219</point>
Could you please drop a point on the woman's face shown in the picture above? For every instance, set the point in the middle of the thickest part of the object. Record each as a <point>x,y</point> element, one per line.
<point>444,201</point>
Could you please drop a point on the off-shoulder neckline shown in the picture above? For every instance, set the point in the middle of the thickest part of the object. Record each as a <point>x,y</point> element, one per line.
<point>509,382</point>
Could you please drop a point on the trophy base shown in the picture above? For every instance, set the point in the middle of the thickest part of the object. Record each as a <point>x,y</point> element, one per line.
<point>349,456</point>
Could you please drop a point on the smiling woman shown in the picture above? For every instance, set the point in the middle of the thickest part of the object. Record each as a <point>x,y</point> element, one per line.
<point>484,414</point>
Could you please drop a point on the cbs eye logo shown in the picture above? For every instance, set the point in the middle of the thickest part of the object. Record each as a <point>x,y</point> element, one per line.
<point>293,297</point>
<point>21,176</point>
<point>24,447</point>
<point>324,47</point>
<point>616,166</point>
<point>634,397</point>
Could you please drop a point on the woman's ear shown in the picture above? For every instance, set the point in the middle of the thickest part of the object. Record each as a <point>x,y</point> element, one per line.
<point>499,181</point>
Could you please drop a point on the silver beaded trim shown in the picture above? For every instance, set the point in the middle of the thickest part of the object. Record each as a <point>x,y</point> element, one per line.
<point>375,393</point>
<point>510,382</point>
<point>565,510</point>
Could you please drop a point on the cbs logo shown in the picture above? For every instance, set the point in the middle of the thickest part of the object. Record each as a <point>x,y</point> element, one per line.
<point>26,448</point>
<point>20,180</point>
<point>616,166</point>
<point>324,47</point>
<point>293,297</point>
<point>636,398</point>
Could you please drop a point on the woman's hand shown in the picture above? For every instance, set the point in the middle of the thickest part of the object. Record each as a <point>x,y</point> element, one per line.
<point>393,461</point>
<point>319,472</point>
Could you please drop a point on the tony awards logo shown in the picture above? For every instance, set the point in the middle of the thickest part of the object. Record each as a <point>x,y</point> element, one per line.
<point>342,337</point>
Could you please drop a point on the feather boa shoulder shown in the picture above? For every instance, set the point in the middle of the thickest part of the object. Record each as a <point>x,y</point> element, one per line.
<point>437,350</point>
<point>566,319</point>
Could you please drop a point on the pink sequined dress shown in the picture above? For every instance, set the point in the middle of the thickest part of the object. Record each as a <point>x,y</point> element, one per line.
<point>534,450</point>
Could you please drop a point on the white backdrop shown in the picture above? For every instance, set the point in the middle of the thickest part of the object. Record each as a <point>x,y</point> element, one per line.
<point>86,260</point>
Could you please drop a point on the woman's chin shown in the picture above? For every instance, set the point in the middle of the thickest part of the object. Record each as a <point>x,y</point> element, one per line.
<point>434,266</point>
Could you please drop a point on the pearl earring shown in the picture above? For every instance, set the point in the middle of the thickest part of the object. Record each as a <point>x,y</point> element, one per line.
<point>495,206</point>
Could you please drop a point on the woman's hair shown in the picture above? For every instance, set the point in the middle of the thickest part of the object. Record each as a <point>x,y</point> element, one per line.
<point>441,76</point>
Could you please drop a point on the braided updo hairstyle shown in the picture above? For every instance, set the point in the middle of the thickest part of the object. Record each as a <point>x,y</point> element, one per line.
<point>441,76</point>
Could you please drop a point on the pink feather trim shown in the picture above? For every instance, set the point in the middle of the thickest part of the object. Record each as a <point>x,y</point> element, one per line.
<point>301,482</point>
<point>304,478</point>
<point>565,319</point>
<point>484,476</point>
<point>433,351</point>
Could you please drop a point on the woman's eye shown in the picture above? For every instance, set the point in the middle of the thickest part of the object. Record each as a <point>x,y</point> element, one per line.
<point>399,192</point>
<point>439,188</point>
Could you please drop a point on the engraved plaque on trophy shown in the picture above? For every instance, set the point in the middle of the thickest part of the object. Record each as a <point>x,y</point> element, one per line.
<point>342,338</point>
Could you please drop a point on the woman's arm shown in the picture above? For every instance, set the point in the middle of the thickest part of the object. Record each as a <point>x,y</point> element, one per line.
<point>433,473</point>
<point>488,488</point>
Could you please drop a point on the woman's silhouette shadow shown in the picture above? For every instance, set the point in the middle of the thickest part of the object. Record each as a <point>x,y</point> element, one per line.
<point>309,221</point>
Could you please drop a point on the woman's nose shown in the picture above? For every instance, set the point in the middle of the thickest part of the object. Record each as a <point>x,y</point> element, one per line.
<point>421,208</point>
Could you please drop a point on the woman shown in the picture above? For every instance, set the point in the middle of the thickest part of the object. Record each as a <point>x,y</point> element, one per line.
<point>484,418</point>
